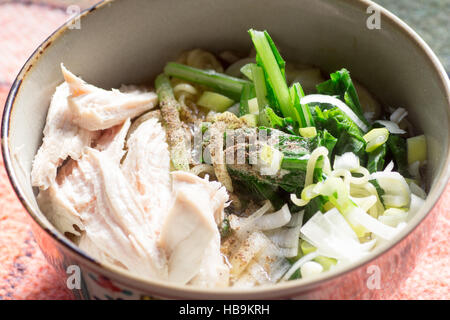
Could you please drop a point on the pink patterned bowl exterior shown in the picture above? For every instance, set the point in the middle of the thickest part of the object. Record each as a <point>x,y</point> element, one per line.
<point>118,37</point>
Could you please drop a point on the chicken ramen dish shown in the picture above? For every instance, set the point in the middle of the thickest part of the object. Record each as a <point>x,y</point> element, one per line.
<point>232,172</point>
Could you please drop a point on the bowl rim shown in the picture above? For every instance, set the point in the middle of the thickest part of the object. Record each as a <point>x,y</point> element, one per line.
<point>276,290</point>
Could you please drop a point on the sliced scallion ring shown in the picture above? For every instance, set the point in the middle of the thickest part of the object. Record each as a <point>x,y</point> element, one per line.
<point>375,138</point>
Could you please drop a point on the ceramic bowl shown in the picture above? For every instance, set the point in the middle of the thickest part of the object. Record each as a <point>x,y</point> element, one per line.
<point>130,41</point>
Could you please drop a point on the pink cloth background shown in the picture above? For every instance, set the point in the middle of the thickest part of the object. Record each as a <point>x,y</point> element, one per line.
<point>25,274</point>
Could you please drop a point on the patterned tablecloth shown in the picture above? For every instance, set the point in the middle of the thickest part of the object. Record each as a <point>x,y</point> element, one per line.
<point>24,273</point>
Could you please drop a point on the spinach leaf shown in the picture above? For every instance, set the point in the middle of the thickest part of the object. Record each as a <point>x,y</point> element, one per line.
<point>269,118</point>
<point>296,275</point>
<point>256,188</point>
<point>349,136</point>
<point>397,148</point>
<point>325,139</point>
<point>316,204</point>
<point>375,161</point>
<point>380,191</point>
<point>341,85</point>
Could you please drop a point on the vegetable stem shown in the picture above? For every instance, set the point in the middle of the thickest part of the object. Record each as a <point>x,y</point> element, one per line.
<point>302,111</point>
<point>171,120</point>
<point>269,60</point>
<point>260,86</point>
<point>219,82</point>
<point>245,96</point>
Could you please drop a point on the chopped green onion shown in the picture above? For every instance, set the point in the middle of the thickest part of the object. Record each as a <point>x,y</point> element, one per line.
<point>308,132</point>
<point>417,149</point>
<point>247,70</point>
<point>337,193</point>
<point>326,262</point>
<point>253,106</point>
<point>269,160</point>
<point>375,138</point>
<point>251,120</point>
<point>307,247</point>
<point>214,101</point>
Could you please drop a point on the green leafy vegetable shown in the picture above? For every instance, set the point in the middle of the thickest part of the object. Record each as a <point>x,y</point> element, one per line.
<point>316,204</point>
<point>349,136</point>
<point>341,85</point>
<point>295,154</point>
<point>255,186</point>
<point>325,139</point>
<point>397,148</point>
<point>375,160</point>
<point>296,275</point>
<point>269,118</point>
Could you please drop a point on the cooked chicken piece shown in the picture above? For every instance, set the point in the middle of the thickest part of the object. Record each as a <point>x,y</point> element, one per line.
<point>95,108</point>
<point>67,196</point>
<point>117,225</point>
<point>93,195</point>
<point>189,233</point>
<point>138,121</point>
<point>62,139</point>
<point>190,236</point>
<point>89,246</point>
<point>214,190</point>
<point>112,141</point>
<point>186,233</point>
<point>63,201</point>
<point>146,167</point>
<point>136,215</point>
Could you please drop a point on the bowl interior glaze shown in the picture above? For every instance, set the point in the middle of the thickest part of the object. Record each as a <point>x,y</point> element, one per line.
<point>130,41</point>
